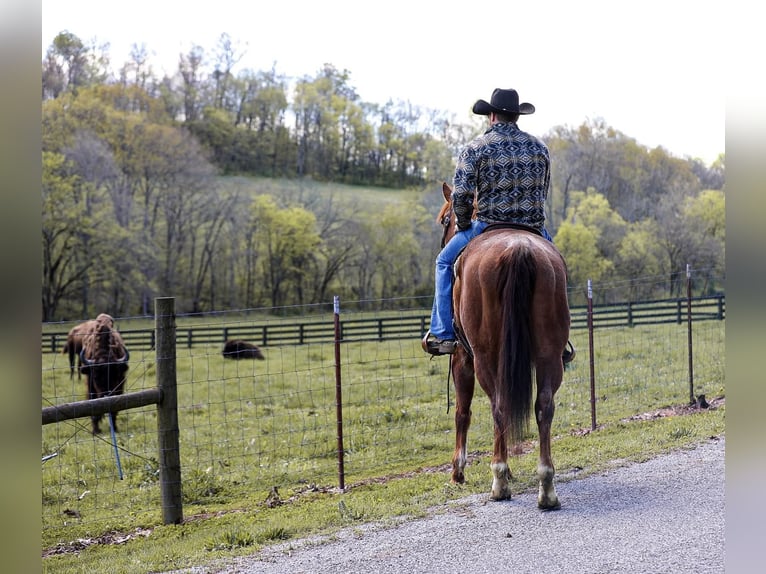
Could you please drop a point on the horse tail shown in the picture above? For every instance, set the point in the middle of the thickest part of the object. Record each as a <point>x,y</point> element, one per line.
<point>515,392</point>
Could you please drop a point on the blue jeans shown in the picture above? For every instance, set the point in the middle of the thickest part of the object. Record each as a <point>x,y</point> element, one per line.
<point>441,312</point>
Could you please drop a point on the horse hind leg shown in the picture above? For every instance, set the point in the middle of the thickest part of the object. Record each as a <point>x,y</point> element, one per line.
<point>460,456</point>
<point>501,472</point>
<point>463,375</point>
<point>547,499</point>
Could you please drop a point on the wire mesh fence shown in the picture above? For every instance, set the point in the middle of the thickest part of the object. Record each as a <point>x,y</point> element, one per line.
<point>247,426</point>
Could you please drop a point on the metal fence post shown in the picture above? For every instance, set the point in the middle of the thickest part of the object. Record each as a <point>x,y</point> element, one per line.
<point>590,350</point>
<point>338,394</point>
<point>689,330</point>
<point>167,411</point>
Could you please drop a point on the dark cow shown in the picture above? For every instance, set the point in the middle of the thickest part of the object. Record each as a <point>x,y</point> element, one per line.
<point>104,363</point>
<point>237,349</point>
<point>73,345</point>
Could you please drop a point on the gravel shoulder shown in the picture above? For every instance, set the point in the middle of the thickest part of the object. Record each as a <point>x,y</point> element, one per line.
<point>663,515</point>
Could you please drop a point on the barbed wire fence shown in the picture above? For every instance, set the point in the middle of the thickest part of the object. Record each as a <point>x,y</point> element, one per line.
<point>250,428</point>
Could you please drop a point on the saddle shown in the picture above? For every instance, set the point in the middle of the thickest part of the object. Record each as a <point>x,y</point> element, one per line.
<point>520,226</point>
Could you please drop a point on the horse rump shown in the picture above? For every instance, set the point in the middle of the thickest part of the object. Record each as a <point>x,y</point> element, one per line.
<point>238,349</point>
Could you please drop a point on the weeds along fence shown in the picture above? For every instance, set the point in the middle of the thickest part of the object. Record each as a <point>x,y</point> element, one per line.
<point>246,427</point>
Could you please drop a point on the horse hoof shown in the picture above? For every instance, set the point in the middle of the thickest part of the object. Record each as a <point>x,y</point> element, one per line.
<point>548,505</point>
<point>501,492</point>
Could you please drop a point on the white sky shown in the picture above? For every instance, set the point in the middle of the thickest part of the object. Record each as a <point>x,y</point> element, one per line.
<point>653,70</point>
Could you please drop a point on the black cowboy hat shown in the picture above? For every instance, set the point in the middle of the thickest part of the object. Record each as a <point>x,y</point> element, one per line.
<point>503,102</point>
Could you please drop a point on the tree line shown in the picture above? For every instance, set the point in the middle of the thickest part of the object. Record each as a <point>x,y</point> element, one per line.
<point>233,190</point>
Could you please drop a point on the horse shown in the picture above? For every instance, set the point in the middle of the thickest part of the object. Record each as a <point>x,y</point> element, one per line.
<point>512,321</point>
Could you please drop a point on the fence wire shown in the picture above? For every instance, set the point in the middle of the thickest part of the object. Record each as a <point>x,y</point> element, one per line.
<point>247,426</point>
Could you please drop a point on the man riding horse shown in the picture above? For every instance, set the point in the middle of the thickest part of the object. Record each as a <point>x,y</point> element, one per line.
<point>507,172</point>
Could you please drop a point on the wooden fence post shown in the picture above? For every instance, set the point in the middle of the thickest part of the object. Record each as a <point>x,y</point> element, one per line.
<point>720,307</point>
<point>167,411</point>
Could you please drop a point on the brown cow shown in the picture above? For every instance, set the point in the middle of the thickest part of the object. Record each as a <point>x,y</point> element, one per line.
<point>104,363</point>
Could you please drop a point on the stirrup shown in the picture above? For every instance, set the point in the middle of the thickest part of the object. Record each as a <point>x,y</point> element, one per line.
<point>436,346</point>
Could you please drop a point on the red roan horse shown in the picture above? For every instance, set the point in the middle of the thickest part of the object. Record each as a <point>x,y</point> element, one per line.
<point>512,319</point>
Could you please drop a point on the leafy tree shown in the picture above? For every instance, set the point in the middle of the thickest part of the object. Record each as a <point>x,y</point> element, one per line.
<point>287,238</point>
<point>708,213</point>
<point>580,159</point>
<point>705,216</point>
<point>631,177</point>
<point>339,228</point>
<point>579,245</point>
<point>592,210</point>
<point>226,56</point>
<point>677,240</point>
<point>713,176</point>
<point>62,222</point>
<point>190,71</point>
<point>216,133</point>
<point>92,161</point>
<point>638,257</point>
<point>437,161</point>
<point>138,66</point>
<point>66,65</point>
<point>265,140</point>
<point>393,257</point>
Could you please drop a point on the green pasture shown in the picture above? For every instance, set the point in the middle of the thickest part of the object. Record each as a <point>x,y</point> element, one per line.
<point>249,426</point>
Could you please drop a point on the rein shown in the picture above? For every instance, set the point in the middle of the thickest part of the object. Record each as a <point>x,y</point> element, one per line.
<point>449,372</point>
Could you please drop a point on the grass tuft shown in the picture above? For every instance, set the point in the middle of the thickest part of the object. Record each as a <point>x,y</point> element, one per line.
<point>230,540</point>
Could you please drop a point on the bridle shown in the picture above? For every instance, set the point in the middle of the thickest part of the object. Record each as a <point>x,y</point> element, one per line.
<point>446,224</point>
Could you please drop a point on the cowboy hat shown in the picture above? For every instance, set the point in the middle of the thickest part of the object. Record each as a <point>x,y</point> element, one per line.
<point>503,102</point>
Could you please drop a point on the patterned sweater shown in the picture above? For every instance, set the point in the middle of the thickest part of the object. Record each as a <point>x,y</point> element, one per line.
<point>509,170</point>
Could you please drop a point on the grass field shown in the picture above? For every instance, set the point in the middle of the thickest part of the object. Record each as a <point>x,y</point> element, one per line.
<point>249,426</point>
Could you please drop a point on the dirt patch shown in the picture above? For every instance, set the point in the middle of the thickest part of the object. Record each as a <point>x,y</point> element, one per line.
<point>81,544</point>
<point>701,404</point>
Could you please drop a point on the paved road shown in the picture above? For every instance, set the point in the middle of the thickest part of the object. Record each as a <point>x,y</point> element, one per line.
<point>664,515</point>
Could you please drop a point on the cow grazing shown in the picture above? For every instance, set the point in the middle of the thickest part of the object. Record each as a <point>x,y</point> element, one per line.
<point>237,349</point>
<point>104,359</point>
<point>73,345</point>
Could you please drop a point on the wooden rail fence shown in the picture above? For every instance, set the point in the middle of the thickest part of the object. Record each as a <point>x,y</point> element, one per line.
<point>412,325</point>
